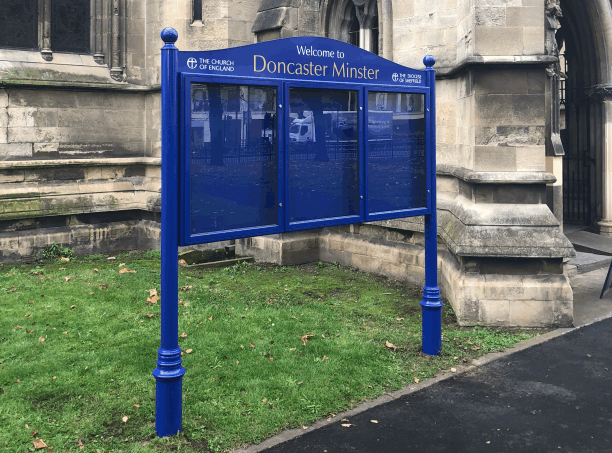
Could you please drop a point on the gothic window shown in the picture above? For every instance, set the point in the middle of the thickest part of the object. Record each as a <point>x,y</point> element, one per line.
<point>197,10</point>
<point>355,22</point>
<point>50,25</point>
<point>70,26</point>
<point>19,24</point>
<point>354,27</point>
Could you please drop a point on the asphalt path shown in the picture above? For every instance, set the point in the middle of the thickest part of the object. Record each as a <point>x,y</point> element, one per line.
<point>552,397</point>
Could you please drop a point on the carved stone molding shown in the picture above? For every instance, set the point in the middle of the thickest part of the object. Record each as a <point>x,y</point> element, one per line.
<point>599,92</point>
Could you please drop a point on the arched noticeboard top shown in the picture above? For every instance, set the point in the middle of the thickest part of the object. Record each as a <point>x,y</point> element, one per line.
<point>303,58</point>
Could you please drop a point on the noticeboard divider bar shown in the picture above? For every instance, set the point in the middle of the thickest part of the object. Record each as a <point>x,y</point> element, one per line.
<point>169,372</point>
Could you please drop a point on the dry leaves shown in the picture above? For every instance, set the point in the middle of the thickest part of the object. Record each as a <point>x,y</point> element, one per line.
<point>210,319</point>
<point>183,262</point>
<point>305,338</point>
<point>67,279</point>
<point>183,335</point>
<point>251,345</point>
<point>149,315</point>
<point>374,421</point>
<point>72,306</point>
<point>189,351</point>
<point>125,270</point>
<point>41,339</point>
<point>39,444</point>
<point>153,297</point>
<point>64,258</point>
<point>186,288</point>
<point>347,425</point>
<point>124,419</point>
<point>324,358</point>
<point>391,346</point>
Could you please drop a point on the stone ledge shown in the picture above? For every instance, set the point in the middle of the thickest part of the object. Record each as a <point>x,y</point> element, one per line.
<point>498,60</point>
<point>96,162</point>
<point>496,177</point>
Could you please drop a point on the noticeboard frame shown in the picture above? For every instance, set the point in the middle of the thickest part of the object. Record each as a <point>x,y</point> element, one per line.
<point>176,69</point>
<point>284,224</point>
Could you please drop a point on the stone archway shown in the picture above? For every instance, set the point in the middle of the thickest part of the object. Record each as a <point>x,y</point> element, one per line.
<point>585,41</point>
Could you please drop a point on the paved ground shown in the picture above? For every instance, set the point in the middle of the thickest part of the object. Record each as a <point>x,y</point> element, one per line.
<point>549,396</point>
<point>552,397</point>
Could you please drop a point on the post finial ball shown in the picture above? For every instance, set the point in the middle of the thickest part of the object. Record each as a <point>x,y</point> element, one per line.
<point>169,35</point>
<point>429,61</point>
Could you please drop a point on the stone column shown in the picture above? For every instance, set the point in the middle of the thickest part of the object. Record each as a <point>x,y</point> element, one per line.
<point>605,224</point>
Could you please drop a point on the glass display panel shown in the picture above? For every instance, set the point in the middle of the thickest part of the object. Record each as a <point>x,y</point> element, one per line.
<point>19,24</point>
<point>234,157</point>
<point>70,25</point>
<point>323,167</point>
<point>396,151</point>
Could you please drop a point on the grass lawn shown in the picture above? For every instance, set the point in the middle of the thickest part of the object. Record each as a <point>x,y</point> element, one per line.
<point>79,340</point>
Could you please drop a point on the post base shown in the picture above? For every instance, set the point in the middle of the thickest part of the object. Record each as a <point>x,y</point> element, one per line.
<point>432,320</point>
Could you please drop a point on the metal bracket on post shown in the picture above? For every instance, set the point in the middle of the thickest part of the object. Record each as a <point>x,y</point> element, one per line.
<point>431,304</point>
<point>169,372</point>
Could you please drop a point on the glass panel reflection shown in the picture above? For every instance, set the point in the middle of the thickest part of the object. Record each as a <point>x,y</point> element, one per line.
<point>323,154</point>
<point>234,164</point>
<point>396,151</point>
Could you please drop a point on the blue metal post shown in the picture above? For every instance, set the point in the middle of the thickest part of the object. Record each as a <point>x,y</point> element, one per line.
<point>169,372</point>
<point>431,304</point>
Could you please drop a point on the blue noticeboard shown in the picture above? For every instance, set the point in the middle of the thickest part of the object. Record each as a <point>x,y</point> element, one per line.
<point>288,135</point>
<point>296,134</point>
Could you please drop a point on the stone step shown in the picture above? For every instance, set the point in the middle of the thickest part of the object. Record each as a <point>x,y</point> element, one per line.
<point>583,241</point>
<point>587,262</point>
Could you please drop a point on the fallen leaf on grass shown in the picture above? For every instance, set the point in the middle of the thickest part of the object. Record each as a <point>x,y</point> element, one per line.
<point>183,335</point>
<point>34,433</point>
<point>80,444</point>
<point>103,286</point>
<point>64,258</point>
<point>67,279</point>
<point>416,380</point>
<point>65,333</point>
<point>271,405</point>
<point>186,288</point>
<point>122,264</point>
<point>27,316</point>
<point>39,444</point>
<point>324,358</point>
<point>12,290</point>
<point>96,271</point>
<point>399,319</point>
<point>149,315</point>
<point>264,400</point>
<point>189,351</point>
<point>72,306</point>
<point>251,345</point>
<point>111,258</point>
<point>183,262</point>
<point>186,304</point>
<point>391,346</point>
<point>305,338</point>
<point>54,378</point>
<point>137,405</point>
<point>271,358</point>
<point>90,293</point>
<point>41,339</point>
<point>125,270</point>
<point>124,419</point>
<point>210,319</point>
<point>153,297</point>
<point>17,327</point>
<point>292,349</point>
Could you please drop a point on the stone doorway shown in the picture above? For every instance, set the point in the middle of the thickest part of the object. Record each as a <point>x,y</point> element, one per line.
<point>578,110</point>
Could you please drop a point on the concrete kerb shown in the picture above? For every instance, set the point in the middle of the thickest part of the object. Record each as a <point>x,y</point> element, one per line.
<point>388,397</point>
